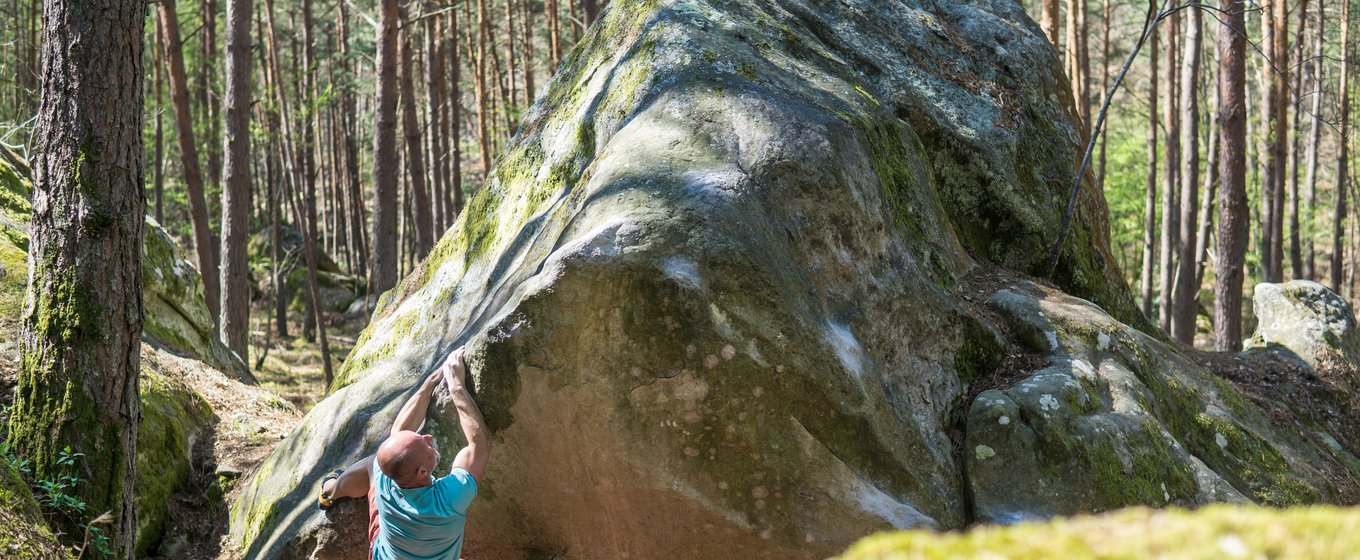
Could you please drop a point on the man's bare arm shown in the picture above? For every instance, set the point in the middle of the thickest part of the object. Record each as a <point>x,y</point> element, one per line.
<point>412,414</point>
<point>475,456</point>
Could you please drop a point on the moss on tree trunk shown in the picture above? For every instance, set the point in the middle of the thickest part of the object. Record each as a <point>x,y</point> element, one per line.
<point>80,344</point>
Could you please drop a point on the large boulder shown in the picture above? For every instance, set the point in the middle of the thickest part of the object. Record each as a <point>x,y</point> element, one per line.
<point>175,310</point>
<point>724,297</point>
<point>1307,321</point>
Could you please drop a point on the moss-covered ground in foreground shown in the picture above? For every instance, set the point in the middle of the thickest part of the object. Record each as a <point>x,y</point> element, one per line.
<point>1211,533</point>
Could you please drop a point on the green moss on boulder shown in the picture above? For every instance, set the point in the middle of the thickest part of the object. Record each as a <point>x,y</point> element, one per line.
<point>173,416</point>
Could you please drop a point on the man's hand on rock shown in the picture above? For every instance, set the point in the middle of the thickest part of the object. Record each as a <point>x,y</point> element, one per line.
<point>454,369</point>
<point>432,382</point>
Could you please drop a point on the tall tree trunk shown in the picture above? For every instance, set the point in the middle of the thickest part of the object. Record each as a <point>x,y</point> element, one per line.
<point>1104,87</point>
<point>1314,134</point>
<point>235,314</point>
<point>1339,209</point>
<point>1048,20</point>
<point>358,226</point>
<point>1150,197</point>
<point>158,166</point>
<point>1232,203</point>
<point>277,256</point>
<point>1078,60</point>
<point>1296,99</point>
<point>204,241</point>
<point>1274,44</point>
<point>80,344</point>
<point>1187,290</point>
<point>526,51</point>
<point>456,94</point>
<point>207,101</point>
<point>1170,187</point>
<point>385,153</point>
<point>434,100</point>
<point>512,92</point>
<point>1206,206</point>
<point>479,82</point>
<point>590,11</point>
<point>554,17</point>
<point>423,225</point>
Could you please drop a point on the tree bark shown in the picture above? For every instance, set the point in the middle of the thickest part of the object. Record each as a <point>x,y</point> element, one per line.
<point>456,93</point>
<point>1187,289</point>
<point>479,82</point>
<point>1339,208</point>
<point>1048,20</point>
<point>158,166</point>
<point>1272,124</point>
<point>1296,99</point>
<point>526,51</point>
<point>434,100</point>
<point>384,269</point>
<point>1314,134</point>
<point>1104,87</point>
<point>235,287</point>
<point>80,344</point>
<point>205,244</point>
<point>358,226</point>
<point>423,224</point>
<point>1170,187</point>
<point>1150,194</point>
<point>1232,204</point>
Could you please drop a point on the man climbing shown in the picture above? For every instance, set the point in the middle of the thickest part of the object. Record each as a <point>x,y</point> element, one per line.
<point>412,514</point>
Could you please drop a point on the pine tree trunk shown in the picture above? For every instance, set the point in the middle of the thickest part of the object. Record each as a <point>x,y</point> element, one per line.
<point>1339,208</point>
<point>1150,193</point>
<point>422,226</point>
<point>512,92</point>
<point>554,17</point>
<point>1272,124</point>
<point>277,255</point>
<point>590,11</point>
<point>358,226</point>
<point>1314,134</point>
<point>1233,222</point>
<point>1187,290</point>
<point>1104,87</point>
<point>208,102</point>
<point>235,286</point>
<point>1048,20</point>
<point>80,344</point>
<point>385,153</point>
<point>158,166</point>
<point>434,100</point>
<point>527,52</point>
<point>456,92</point>
<point>479,83</point>
<point>204,241</point>
<point>1295,239</point>
<point>1206,205</point>
<point>1170,186</point>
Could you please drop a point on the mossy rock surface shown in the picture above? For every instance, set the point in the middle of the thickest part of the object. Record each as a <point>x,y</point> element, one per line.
<point>1211,533</point>
<point>713,294</point>
<point>173,416</point>
<point>25,534</point>
<point>175,311</point>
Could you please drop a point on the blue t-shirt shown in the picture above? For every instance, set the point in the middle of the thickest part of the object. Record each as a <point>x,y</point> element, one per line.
<point>422,523</point>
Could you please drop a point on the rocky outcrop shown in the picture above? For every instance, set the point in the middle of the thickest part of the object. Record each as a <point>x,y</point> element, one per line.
<point>173,417</point>
<point>725,296</point>
<point>175,311</point>
<point>1308,322</point>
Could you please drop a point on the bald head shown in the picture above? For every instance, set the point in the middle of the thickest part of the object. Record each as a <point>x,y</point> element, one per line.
<point>408,458</point>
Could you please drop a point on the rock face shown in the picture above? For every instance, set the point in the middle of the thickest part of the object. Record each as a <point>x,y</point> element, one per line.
<point>1308,321</point>
<point>176,313</point>
<point>723,297</point>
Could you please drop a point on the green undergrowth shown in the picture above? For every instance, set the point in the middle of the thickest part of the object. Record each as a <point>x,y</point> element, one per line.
<point>1214,532</point>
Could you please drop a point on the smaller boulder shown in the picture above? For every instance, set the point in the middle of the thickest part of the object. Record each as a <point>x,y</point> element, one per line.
<point>1307,321</point>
